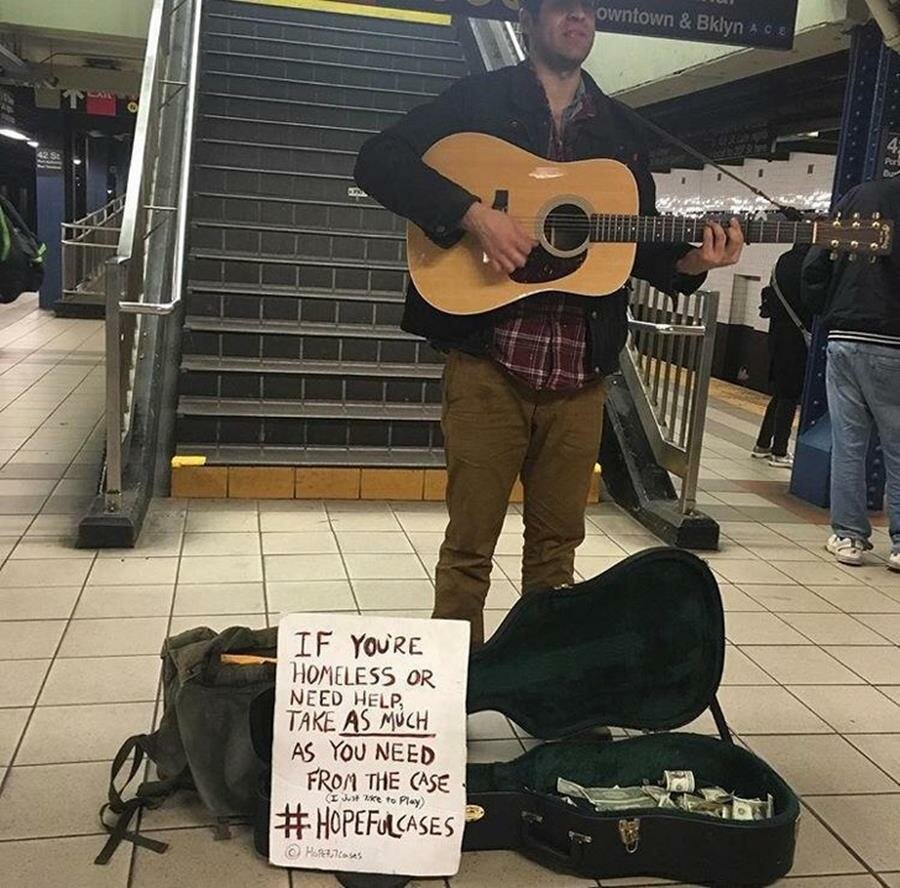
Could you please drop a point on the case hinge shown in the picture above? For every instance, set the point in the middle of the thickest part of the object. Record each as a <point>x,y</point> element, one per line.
<point>579,838</point>
<point>630,833</point>
<point>531,817</point>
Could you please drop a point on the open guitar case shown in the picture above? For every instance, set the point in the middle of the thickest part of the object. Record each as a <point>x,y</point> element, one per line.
<point>642,646</point>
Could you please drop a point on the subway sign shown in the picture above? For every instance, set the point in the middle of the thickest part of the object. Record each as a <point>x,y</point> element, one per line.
<point>762,23</point>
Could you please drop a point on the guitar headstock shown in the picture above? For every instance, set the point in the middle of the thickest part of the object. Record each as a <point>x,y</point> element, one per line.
<point>872,237</point>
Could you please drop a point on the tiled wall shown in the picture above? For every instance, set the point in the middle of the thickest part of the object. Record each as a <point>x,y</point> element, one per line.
<point>803,181</point>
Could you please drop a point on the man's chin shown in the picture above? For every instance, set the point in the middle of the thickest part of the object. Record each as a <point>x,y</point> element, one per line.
<point>567,61</point>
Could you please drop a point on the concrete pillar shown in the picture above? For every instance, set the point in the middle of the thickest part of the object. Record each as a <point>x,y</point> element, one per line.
<point>51,209</point>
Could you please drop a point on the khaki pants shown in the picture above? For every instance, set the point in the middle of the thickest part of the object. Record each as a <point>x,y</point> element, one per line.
<point>495,430</point>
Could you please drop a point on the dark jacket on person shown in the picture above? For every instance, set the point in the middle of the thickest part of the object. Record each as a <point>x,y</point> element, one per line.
<point>859,301</point>
<point>509,104</point>
<point>787,347</point>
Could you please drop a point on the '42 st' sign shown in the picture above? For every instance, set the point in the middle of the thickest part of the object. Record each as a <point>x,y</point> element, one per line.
<point>765,23</point>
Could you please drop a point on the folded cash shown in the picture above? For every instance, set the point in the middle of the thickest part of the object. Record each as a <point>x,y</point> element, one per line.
<point>749,809</point>
<point>615,798</point>
<point>679,781</point>
<point>711,801</point>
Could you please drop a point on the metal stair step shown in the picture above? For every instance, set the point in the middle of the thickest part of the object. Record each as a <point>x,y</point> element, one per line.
<point>223,179</point>
<point>292,328</point>
<point>275,409</point>
<point>288,294</point>
<point>320,71</point>
<point>312,91</point>
<point>237,104</point>
<point>284,134</point>
<point>207,364</point>
<point>308,381</point>
<point>281,22</point>
<point>359,215</point>
<point>295,306</point>
<point>300,243</point>
<point>304,340</point>
<point>237,455</point>
<point>307,426</point>
<point>281,48</point>
<point>286,159</point>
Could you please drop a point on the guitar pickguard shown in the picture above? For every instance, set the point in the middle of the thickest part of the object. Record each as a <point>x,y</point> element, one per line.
<point>544,268</point>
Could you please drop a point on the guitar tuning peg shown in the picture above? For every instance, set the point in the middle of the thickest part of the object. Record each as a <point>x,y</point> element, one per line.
<point>853,257</point>
<point>873,260</point>
<point>857,216</point>
<point>838,215</point>
<point>834,255</point>
<point>876,216</point>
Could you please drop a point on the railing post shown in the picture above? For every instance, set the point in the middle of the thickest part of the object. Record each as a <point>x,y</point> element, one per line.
<point>700,398</point>
<point>113,486</point>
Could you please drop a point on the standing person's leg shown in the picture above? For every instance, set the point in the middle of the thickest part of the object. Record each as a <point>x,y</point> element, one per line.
<point>486,428</point>
<point>851,428</point>
<point>785,411</point>
<point>881,385</point>
<point>556,476</point>
<point>767,430</point>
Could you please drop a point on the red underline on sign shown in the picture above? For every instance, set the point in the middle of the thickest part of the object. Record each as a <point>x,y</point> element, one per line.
<point>405,736</point>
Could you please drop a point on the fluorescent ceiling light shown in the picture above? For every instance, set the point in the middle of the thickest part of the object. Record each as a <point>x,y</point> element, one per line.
<point>11,133</point>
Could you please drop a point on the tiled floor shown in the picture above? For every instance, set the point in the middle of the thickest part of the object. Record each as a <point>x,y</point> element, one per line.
<point>812,680</point>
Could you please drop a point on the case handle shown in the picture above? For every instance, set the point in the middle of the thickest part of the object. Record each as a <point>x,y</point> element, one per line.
<point>538,845</point>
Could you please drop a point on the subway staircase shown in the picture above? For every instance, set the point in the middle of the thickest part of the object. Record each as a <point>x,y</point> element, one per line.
<point>291,352</point>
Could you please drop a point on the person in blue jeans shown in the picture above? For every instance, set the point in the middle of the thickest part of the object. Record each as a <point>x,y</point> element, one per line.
<point>860,305</point>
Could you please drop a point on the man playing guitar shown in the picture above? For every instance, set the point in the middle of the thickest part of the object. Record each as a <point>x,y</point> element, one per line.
<point>523,385</point>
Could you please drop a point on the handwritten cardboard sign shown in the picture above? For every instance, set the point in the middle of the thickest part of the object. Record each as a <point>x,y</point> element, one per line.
<point>369,755</point>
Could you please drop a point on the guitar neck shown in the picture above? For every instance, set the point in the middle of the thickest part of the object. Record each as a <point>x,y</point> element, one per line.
<point>685,229</point>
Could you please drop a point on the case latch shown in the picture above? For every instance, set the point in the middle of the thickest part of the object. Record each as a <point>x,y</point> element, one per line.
<point>531,817</point>
<point>630,833</point>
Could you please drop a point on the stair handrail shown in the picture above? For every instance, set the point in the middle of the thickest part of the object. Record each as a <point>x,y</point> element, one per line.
<point>145,277</point>
<point>667,366</point>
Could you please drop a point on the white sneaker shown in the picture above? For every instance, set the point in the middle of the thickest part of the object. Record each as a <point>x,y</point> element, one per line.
<point>845,550</point>
<point>894,562</point>
<point>761,452</point>
<point>781,462</point>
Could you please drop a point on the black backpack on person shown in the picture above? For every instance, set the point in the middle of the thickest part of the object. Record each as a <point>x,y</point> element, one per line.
<point>21,255</point>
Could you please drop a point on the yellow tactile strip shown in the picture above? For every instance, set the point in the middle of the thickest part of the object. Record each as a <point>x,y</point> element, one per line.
<point>286,482</point>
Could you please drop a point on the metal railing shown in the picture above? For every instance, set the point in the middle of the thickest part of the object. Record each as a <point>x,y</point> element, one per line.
<point>497,42</point>
<point>87,245</point>
<point>145,277</point>
<point>667,363</point>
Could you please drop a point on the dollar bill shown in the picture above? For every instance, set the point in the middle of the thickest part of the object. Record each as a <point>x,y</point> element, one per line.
<point>715,794</point>
<point>679,781</point>
<point>749,809</point>
<point>614,798</point>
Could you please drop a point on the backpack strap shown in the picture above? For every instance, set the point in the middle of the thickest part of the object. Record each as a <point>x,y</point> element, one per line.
<point>148,795</point>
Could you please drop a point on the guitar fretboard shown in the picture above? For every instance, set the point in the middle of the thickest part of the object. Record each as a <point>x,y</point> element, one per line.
<point>679,229</point>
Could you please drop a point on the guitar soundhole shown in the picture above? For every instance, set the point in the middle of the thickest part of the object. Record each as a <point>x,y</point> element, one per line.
<point>567,229</point>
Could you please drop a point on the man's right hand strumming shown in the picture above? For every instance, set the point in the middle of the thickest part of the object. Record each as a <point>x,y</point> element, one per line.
<point>506,244</point>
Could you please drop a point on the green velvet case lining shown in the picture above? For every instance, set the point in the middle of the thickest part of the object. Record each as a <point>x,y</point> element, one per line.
<point>641,646</point>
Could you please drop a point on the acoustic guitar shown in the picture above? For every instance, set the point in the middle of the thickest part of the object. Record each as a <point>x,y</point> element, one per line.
<point>584,216</point>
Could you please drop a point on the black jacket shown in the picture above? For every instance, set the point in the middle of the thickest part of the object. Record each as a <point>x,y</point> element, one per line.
<point>861,296</point>
<point>787,347</point>
<point>509,104</point>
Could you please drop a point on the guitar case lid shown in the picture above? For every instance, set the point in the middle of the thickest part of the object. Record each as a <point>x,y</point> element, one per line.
<point>640,646</point>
